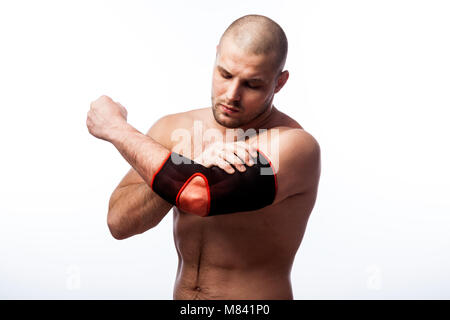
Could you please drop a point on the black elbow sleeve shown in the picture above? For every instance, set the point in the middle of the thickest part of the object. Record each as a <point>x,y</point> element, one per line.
<point>253,189</point>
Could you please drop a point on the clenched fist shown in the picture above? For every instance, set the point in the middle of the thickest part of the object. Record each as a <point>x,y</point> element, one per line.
<point>105,117</point>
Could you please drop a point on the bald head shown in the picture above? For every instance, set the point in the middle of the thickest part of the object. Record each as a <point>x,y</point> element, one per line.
<point>259,35</point>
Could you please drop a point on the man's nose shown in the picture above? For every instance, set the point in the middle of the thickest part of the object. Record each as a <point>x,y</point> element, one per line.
<point>233,92</point>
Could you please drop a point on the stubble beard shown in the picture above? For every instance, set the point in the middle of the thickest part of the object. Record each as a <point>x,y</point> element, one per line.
<point>231,122</point>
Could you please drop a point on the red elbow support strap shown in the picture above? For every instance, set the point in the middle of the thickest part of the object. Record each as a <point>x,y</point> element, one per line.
<point>250,190</point>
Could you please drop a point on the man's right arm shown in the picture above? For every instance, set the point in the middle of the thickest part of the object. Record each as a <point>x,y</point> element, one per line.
<point>134,207</point>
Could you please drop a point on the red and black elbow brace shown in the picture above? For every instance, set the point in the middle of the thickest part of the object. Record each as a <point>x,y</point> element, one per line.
<point>253,189</point>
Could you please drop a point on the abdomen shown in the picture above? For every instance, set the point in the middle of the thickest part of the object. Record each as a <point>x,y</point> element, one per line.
<point>242,255</point>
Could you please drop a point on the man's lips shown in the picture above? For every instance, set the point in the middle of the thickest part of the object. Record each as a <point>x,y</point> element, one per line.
<point>228,108</point>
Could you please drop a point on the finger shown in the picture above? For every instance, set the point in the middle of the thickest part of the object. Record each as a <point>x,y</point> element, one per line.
<point>233,159</point>
<point>235,147</point>
<point>243,153</point>
<point>221,163</point>
<point>203,161</point>
<point>251,148</point>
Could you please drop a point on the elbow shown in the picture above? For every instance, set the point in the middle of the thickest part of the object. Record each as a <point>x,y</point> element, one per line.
<point>116,227</point>
<point>194,201</point>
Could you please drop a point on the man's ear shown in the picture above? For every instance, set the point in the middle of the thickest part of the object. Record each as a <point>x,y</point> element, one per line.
<point>282,78</point>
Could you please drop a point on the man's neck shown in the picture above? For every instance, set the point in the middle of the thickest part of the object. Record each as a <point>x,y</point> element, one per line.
<point>263,121</point>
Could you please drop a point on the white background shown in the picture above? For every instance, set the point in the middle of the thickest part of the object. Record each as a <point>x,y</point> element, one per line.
<point>369,79</point>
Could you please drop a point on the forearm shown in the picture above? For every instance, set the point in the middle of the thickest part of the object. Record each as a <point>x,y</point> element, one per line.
<point>143,153</point>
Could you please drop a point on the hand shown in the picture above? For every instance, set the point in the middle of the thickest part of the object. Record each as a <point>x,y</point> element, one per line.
<point>224,155</point>
<point>105,117</point>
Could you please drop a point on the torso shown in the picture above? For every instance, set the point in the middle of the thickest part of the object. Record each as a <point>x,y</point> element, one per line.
<point>239,256</point>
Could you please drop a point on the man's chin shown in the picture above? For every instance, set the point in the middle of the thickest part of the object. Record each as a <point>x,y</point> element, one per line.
<point>226,122</point>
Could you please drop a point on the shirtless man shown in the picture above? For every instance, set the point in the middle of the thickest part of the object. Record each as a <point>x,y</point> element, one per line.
<point>238,255</point>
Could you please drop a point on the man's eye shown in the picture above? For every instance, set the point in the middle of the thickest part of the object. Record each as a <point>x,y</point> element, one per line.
<point>253,87</point>
<point>226,76</point>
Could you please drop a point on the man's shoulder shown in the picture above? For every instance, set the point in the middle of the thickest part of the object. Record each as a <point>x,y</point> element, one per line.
<point>163,128</point>
<point>287,138</point>
<point>284,120</point>
<point>182,118</point>
<point>290,136</point>
<point>290,147</point>
<point>298,137</point>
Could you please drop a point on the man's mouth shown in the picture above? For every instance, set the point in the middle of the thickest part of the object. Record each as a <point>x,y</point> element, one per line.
<point>229,109</point>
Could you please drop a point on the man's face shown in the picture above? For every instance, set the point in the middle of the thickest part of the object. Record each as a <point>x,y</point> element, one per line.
<point>242,81</point>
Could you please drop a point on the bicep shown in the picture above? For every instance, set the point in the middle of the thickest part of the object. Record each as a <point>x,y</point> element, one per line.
<point>296,161</point>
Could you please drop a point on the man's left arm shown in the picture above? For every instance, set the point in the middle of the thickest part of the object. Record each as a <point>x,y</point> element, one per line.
<point>288,164</point>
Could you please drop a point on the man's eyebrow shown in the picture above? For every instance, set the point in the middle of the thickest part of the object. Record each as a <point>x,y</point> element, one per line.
<point>222,69</point>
